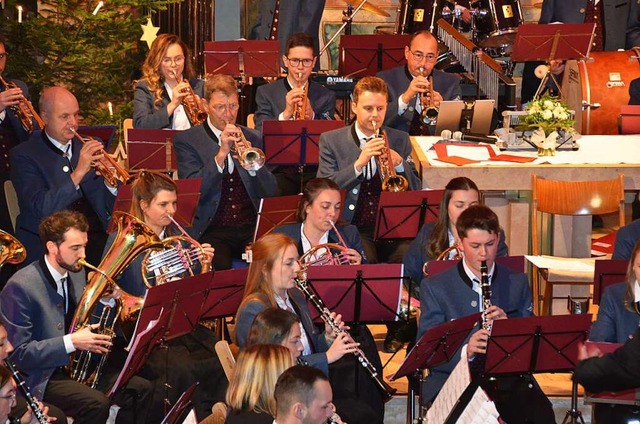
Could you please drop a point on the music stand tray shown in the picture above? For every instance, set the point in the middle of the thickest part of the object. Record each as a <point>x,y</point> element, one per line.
<point>224,293</point>
<point>437,346</point>
<point>401,215</point>
<point>552,41</point>
<point>361,293</point>
<point>248,58</point>
<point>105,133</point>
<point>151,149</point>
<point>276,211</point>
<point>607,272</point>
<point>366,55</point>
<point>295,142</point>
<point>179,407</point>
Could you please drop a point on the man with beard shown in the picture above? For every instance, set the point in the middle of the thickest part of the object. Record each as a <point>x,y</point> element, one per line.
<point>37,306</point>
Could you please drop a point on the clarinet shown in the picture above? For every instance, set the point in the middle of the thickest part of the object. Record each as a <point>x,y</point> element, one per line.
<point>31,400</point>
<point>386,390</point>
<point>486,295</point>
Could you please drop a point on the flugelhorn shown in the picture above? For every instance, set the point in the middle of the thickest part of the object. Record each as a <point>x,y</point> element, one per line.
<point>11,250</point>
<point>24,109</point>
<point>323,254</point>
<point>300,108</point>
<point>175,262</point>
<point>192,107</point>
<point>251,158</point>
<point>391,181</point>
<point>429,111</point>
<point>107,166</point>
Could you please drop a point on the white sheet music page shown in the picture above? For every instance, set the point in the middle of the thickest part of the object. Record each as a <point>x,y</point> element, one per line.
<point>480,410</point>
<point>453,388</point>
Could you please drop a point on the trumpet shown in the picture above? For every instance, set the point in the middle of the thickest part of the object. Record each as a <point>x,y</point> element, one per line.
<point>108,167</point>
<point>300,108</point>
<point>24,109</point>
<point>195,113</point>
<point>251,158</point>
<point>391,181</point>
<point>429,113</point>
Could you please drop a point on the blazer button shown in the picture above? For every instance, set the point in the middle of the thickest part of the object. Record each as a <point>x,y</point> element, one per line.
<point>59,326</point>
<point>411,108</point>
<point>582,10</point>
<point>352,207</point>
<point>354,191</point>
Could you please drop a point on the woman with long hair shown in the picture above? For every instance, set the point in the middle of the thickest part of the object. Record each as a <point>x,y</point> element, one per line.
<point>277,326</point>
<point>167,77</point>
<point>250,393</point>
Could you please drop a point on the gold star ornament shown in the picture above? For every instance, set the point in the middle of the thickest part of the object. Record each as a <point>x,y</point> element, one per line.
<point>149,32</point>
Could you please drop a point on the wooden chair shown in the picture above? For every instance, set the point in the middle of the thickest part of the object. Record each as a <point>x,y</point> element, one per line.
<point>226,357</point>
<point>572,198</point>
<point>218,415</point>
<point>12,202</point>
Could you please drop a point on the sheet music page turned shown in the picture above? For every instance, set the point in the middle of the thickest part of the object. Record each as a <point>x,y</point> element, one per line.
<point>453,388</point>
<point>479,410</point>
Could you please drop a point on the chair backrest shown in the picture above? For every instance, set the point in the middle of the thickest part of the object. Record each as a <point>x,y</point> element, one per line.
<point>226,357</point>
<point>608,272</point>
<point>12,202</point>
<point>514,263</point>
<point>219,413</point>
<point>574,198</point>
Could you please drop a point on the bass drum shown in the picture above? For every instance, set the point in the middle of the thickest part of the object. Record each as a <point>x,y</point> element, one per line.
<point>603,79</point>
<point>496,22</point>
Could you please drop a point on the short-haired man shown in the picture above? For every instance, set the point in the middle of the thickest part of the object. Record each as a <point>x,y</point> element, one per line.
<point>37,306</point>
<point>408,83</point>
<point>53,171</point>
<point>456,293</point>
<point>303,396</point>
<point>229,197</point>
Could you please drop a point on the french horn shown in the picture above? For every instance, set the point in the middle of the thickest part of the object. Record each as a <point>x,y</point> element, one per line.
<point>11,250</point>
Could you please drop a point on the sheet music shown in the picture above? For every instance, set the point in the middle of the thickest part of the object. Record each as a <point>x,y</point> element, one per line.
<point>479,410</point>
<point>453,388</point>
<point>191,418</point>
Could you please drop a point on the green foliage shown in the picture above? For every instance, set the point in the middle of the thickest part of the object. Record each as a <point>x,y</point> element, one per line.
<point>95,57</point>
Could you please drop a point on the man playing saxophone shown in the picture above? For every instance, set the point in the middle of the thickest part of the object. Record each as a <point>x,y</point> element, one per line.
<point>37,306</point>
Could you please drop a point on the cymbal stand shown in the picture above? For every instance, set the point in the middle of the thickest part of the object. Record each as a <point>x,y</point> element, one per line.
<point>346,23</point>
<point>433,17</point>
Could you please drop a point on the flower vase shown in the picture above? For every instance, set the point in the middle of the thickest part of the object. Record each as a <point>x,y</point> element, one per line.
<point>548,151</point>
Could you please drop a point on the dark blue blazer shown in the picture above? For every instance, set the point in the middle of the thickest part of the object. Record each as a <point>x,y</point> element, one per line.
<point>615,323</point>
<point>398,80</point>
<point>634,92</point>
<point>270,101</point>
<point>196,149</point>
<point>146,114</point>
<point>415,257</point>
<point>626,239</point>
<point>448,296</point>
<point>19,131</point>
<point>44,187</point>
<point>349,233</point>
<point>319,346</point>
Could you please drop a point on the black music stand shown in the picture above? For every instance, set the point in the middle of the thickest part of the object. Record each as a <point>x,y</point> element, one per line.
<point>224,293</point>
<point>363,294</point>
<point>295,142</point>
<point>607,272</point>
<point>181,404</point>
<point>366,55</point>
<point>276,211</point>
<point>402,215</point>
<point>151,149</point>
<point>552,42</point>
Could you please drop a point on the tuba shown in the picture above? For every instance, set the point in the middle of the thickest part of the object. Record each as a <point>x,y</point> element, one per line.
<point>251,158</point>
<point>391,181</point>
<point>192,107</point>
<point>24,109</point>
<point>132,238</point>
<point>300,109</point>
<point>11,250</point>
<point>429,113</point>
<point>175,261</point>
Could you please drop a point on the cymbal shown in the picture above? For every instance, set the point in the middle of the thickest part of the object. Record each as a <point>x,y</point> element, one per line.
<point>369,7</point>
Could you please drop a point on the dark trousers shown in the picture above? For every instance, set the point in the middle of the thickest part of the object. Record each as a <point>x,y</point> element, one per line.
<point>382,251</point>
<point>84,404</point>
<point>228,242</point>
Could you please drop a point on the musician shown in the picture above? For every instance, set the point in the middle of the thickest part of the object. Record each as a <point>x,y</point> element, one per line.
<point>407,83</point>
<point>626,238</point>
<point>250,393</point>
<point>348,158</point>
<point>436,237</point>
<point>180,362</point>
<point>456,293</point>
<point>634,92</point>
<point>303,395</point>
<point>618,318</point>
<point>167,75</point>
<point>8,401</point>
<point>37,306</point>
<point>617,27</point>
<point>277,326</point>
<point>317,214</point>
<point>227,210</point>
<point>53,171</point>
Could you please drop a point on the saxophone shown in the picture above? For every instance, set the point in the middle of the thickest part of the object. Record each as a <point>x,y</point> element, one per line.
<point>31,400</point>
<point>486,295</point>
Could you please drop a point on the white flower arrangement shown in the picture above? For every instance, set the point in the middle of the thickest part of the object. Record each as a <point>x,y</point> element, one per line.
<point>549,114</point>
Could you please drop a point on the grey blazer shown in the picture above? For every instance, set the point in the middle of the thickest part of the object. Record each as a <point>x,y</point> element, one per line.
<point>32,312</point>
<point>398,80</point>
<point>145,113</point>
<point>338,152</point>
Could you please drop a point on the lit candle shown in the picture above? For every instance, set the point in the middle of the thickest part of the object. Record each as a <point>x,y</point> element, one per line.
<point>98,7</point>
<point>19,14</point>
<point>110,105</point>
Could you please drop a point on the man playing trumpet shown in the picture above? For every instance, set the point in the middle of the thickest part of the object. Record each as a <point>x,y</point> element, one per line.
<point>227,211</point>
<point>53,171</point>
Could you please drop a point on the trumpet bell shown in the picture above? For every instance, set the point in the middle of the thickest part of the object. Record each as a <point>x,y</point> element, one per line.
<point>11,250</point>
<point>252,159</point>
<point>395,183</point>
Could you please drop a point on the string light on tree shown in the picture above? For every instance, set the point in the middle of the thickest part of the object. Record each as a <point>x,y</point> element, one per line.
<point>19,14</point>
<point>149,32</point>
<point>98,7</point>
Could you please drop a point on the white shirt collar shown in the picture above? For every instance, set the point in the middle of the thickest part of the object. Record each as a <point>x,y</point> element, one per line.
<point>54,273</point>
<point>636,291</point>
<point>361,136</point>
<point>306,244</point>
<point>472,276</point>
<point>65,148</point>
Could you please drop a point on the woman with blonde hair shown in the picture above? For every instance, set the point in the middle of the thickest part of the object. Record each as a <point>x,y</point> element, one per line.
<point>167,76</point>
<point>250,393</point>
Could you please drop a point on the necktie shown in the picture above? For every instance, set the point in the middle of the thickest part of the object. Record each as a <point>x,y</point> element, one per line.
<point>368,169</point>
<point>63,283</point>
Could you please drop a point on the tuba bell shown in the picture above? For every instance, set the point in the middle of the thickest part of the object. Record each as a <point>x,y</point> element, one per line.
<point>11,250</point>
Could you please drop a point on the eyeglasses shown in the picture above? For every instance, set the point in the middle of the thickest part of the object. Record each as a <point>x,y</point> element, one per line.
<point>231,107</point>
<point>3,55</point>
<point>430,57</point>
<point>296,62</point>
<point>178,60</point>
